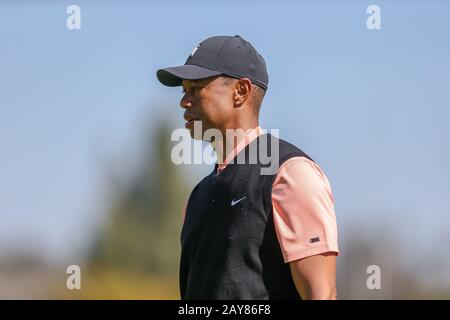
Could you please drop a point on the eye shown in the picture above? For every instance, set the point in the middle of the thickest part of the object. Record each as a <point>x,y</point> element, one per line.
<point>196,88</point>
<point>192,89</point>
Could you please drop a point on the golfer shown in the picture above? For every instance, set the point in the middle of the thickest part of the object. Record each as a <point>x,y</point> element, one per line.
<point>248,234</point>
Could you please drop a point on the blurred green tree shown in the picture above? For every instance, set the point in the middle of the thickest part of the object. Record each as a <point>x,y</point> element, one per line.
<point>145,223</point>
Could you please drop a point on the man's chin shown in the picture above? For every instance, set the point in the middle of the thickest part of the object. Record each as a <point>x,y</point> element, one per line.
<point>201,133</point>
<point>196,130</point>
<point>195,135</point>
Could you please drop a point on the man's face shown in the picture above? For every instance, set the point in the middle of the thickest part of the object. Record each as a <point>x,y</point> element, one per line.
<point>209,101</point>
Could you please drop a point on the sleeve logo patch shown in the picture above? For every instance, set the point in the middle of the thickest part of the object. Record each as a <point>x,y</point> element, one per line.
<point>313,240</point>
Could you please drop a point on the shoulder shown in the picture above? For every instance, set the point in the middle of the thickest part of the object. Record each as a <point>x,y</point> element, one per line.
<point>300,173</point>
<point>287,150</point>
<point>301,165</point>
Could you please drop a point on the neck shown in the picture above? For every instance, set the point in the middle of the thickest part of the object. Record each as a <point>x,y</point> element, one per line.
<point>224,146</point>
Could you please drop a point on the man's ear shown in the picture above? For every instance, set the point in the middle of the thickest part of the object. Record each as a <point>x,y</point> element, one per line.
<point>242,91</point>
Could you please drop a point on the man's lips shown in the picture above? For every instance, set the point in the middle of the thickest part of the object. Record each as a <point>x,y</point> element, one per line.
<point>190,118</point>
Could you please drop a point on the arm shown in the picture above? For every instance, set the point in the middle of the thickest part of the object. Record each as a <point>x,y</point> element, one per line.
<point>303,211</point>
<point>315,276</point>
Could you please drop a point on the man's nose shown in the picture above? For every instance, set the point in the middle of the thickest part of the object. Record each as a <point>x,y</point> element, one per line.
<point>185,102</point>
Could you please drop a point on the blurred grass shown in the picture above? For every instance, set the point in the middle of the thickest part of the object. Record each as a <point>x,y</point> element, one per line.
<point>115,283</point>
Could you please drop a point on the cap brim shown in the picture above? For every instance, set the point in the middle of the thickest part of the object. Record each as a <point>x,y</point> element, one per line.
<point>173,76</point>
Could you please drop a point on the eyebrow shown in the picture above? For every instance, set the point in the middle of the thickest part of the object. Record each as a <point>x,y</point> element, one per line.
<point>192,82</point>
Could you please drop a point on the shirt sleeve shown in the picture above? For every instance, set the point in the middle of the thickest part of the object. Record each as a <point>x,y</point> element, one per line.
<point>303,210</point>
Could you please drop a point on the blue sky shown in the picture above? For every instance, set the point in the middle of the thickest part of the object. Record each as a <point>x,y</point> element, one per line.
<point>371,107</point>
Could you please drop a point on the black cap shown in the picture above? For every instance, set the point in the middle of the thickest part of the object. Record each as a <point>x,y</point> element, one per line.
<point>220,55</point>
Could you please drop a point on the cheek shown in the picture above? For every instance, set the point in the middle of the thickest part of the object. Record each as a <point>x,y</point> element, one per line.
<point>215,107</point>
<point>220,104</point>
<point>211,108</point>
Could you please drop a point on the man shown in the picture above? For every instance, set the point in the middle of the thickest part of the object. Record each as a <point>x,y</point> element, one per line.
<point>248,235</point>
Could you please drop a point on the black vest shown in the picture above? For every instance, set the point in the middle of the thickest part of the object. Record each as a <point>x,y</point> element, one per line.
<point>230,249</point>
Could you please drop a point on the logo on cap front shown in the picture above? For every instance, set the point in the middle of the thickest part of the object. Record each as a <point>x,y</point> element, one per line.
<point>193,51</point>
